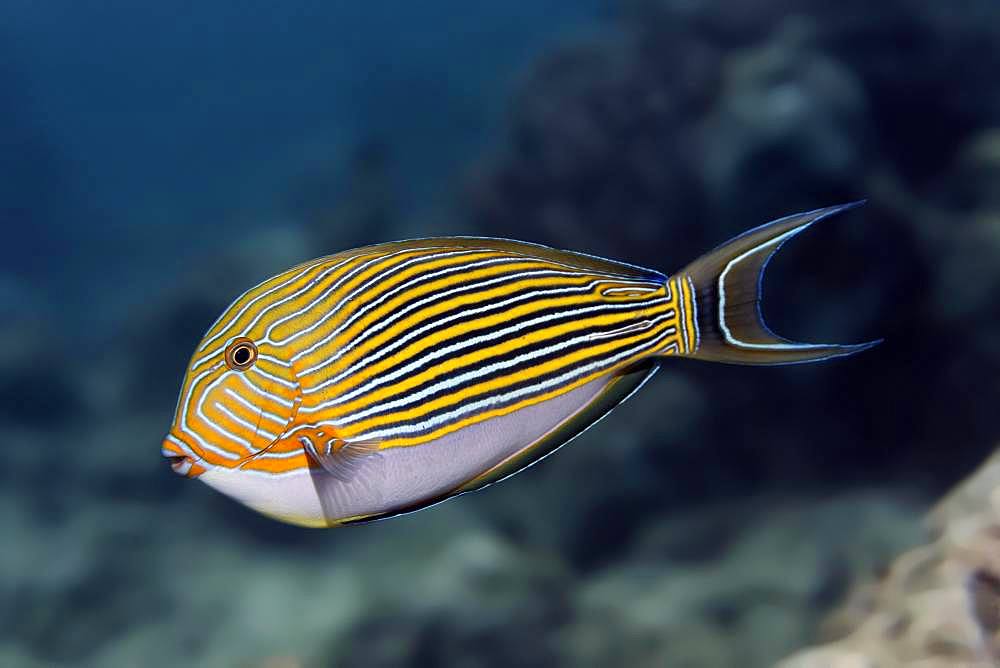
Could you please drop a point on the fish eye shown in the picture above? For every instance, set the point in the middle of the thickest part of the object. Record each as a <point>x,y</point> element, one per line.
<point>241,354</point>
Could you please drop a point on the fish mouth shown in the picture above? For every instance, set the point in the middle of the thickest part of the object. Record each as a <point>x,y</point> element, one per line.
<point>181,464</point>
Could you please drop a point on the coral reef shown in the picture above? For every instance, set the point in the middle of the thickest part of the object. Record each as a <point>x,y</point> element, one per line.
<point>939,604</point>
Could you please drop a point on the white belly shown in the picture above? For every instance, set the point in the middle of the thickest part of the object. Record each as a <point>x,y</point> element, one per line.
<point>402,477</point>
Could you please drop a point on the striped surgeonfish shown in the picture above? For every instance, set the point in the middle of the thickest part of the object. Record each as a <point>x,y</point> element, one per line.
<point>383,379</point>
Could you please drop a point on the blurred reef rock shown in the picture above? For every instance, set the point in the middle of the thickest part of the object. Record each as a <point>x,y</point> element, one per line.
<point>939,604</point>
<point>684,123</point>
<point>719,587</point>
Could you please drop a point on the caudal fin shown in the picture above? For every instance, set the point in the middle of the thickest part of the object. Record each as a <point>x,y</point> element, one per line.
<point>724,288</point>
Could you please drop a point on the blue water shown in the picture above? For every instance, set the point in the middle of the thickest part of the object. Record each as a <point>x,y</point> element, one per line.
<point>197,115</point>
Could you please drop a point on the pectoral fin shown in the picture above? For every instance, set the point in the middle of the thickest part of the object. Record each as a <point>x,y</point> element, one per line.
<point>340,458</point>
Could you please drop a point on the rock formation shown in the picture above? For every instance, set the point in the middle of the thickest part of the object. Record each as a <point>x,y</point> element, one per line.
<point>939,604</point>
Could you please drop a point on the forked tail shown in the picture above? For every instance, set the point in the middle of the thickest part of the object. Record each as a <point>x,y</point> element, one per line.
<point>723,289</point>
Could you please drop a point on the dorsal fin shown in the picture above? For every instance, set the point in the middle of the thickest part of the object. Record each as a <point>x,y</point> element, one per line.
<point>525,248</point>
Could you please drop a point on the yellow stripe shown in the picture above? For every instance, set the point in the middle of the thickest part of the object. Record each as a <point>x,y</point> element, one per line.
<point>635,296</point>
<point>410,322</point>
<point>391,281</point>
<point>687,338</point>
<point>413,349</point>
<point>493,386</point>
<point>416,413</point>
<point>690,308</point>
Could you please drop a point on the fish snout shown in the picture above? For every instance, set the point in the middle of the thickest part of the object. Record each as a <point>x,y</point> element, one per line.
<point>181,462</point>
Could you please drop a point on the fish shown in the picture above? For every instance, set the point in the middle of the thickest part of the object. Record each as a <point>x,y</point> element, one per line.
<point>384,379</point>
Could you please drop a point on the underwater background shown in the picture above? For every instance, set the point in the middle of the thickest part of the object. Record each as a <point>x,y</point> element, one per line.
<point>157,159</point>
